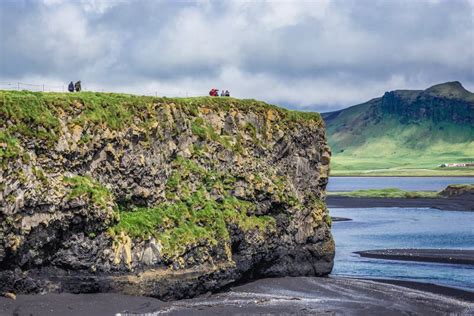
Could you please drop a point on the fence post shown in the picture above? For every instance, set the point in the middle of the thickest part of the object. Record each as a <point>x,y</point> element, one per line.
<point>18,86</point>
<point>43,87</point>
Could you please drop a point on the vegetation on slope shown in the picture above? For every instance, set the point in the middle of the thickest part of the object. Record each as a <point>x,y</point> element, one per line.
<point>36,115</point>
<point>404,133</point>
<point>190,215</point>
<point>165,182</point>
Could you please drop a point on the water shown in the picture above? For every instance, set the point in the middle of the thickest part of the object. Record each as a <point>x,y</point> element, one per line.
<point>379,228</point>
<point>404,183</point>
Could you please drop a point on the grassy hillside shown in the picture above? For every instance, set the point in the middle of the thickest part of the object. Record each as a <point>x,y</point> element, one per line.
<point>410,136</point>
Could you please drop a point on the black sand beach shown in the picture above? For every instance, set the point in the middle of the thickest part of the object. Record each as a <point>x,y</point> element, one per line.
<point>340,219</point>
<point>453,256</point>
<point>300,295</point>
<point>448,204</point>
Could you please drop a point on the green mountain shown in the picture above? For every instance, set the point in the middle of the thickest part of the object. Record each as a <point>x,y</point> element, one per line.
<point>405,132</point>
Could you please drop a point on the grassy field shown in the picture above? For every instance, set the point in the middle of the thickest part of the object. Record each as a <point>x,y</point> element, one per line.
<point>410,150</point>
<point>387,193</point>
<point>343,165</point>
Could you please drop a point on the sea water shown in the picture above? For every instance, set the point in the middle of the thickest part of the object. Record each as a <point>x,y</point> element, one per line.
<point>381,228</point>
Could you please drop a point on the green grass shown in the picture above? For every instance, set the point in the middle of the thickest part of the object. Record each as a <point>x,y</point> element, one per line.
<point>36,114</point>
<point>410,150</point>
<point>192,220</point>
<point>366,141</point>
<point>84,186</point>
<point>387,193</point>
<point>192,216</point>
<point>8,147</point>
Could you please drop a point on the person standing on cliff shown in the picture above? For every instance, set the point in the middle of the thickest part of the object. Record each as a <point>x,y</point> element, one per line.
<point>77,86</point>
<point>71,87</point>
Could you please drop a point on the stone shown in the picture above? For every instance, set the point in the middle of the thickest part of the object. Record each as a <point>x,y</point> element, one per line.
<point>10,295</point>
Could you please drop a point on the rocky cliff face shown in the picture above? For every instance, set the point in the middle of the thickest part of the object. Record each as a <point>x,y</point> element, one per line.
<point>447,102</point>
<point>161,197</point>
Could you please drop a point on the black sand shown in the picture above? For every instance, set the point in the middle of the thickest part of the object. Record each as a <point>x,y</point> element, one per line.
<point>448,204</point>
<point>432,288</point>
<point>301,295</point>
<point>340,219</point>
<point>425,255</point>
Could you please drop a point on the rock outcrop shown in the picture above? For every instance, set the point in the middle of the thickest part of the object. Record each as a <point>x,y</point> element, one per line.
<point>459,191</point>
<point>447,102</point>
<point>157,196</point>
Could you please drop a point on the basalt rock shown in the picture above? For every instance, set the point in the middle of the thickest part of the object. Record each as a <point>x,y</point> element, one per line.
<point>156,196</point>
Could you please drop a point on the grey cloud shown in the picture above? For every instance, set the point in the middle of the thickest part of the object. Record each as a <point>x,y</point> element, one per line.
<point>302,54</point>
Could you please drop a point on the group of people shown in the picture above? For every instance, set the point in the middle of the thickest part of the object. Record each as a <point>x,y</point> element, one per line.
<point>215,93</point>
<point>74,86</point>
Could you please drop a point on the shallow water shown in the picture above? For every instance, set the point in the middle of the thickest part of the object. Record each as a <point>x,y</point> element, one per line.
<point>379,228</point>
<point>403,183</point>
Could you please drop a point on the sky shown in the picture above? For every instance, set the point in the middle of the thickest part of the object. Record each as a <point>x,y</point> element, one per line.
<point>308,55</point>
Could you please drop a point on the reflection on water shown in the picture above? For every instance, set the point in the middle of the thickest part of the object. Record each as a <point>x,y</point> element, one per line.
<point>379,228</point>
<point>403,183</point>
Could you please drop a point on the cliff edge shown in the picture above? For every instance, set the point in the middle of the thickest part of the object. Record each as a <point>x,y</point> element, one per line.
<point>158,196</point>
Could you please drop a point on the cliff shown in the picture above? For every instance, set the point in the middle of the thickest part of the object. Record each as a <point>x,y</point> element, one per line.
<point>447,102</point>
<point>158,196</point>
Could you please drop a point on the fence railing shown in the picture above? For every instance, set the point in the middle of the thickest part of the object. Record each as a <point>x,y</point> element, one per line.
<point>32,87</point>
<point>45,87</point>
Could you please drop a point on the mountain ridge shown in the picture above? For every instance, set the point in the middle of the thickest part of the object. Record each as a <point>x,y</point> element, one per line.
<point>403,126</point>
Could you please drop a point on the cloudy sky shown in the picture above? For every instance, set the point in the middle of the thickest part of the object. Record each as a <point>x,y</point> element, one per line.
<point>314,55</point>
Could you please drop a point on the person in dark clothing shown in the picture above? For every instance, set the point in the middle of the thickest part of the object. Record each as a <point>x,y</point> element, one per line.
<point>71,87</point>
<point>227,93</point>
<point>77,86</point>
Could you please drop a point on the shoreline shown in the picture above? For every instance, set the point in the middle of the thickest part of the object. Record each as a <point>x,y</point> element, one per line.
<point>401,176</point>
<point>303,295</point>
<point>450,256</point>
<point>446,204</point>
<point>444,290</point>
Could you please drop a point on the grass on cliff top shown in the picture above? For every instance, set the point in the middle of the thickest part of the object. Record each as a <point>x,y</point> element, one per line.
<point>35,114</point>
<point>387,193</point>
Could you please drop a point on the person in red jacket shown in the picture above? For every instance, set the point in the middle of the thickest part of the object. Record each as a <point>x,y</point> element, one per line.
<point>214,92</point>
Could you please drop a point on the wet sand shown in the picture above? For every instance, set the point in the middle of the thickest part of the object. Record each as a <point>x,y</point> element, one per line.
<point>453,256</point>
<point>448,204</point>
<point>300,295</point>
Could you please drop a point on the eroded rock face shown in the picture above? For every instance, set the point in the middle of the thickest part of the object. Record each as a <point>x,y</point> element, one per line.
<point>181,197</point>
